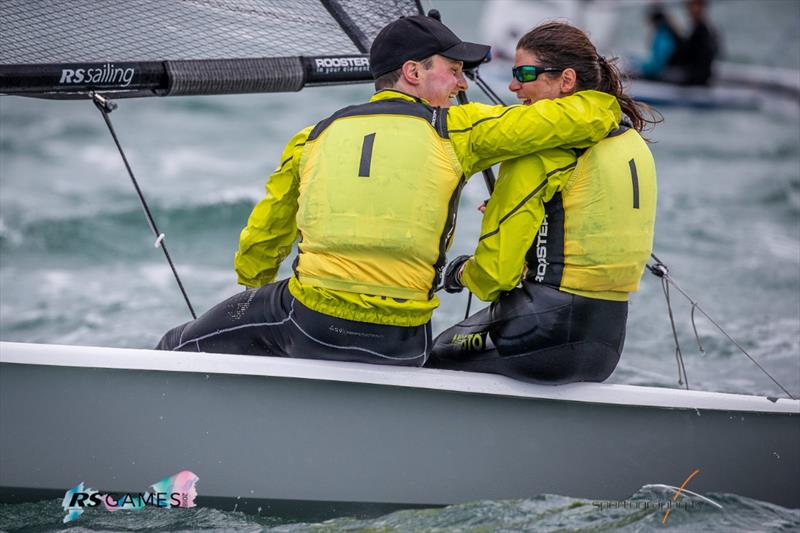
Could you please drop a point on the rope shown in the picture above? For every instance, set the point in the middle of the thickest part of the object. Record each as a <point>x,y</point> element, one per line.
<point>660,270</point>
<point>106,106</point>
<point>694,326</point>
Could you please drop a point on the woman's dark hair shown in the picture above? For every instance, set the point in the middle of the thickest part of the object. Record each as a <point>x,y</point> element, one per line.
<point>560,45</point>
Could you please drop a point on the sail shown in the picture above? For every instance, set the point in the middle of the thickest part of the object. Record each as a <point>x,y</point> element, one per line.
<point>65,48</point>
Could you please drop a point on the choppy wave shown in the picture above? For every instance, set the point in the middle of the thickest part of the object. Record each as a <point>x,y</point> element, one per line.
<point>644,511</point>
<point>785,193</point>
<point>122,233</point>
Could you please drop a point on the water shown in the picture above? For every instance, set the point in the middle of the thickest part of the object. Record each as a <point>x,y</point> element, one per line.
<point>77,264</point>
<point>545,513</point>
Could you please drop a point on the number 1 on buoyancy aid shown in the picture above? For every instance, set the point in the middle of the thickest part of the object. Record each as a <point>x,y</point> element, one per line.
<point>379,187</point>
<point>597,233</point>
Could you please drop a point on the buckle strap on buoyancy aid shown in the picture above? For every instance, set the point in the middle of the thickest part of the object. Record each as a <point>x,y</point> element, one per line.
<point>435,116</point>
<point>623,127</point>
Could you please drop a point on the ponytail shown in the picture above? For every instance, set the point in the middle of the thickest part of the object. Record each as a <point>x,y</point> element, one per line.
<point>642,116</point>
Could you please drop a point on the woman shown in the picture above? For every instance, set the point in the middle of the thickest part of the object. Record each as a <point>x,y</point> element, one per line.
<point>565,236</point>
<point>665,49</point>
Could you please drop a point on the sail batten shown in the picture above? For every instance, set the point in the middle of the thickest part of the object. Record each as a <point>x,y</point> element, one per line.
<point>180,47</point>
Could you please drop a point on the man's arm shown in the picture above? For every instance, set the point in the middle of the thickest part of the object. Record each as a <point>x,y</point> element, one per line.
<point>272,229</point>
<point>512,220</point>
<point>483,135</point>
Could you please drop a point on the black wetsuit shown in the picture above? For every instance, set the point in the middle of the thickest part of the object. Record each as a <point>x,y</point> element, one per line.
<point>270,321</point>
<point>537,333</point>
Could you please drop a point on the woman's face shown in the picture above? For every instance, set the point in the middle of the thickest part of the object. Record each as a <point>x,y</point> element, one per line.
<point>546,86</point>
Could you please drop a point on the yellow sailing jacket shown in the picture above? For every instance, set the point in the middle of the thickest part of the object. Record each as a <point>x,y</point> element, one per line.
<point>378,186</point>
<point>373,191</point>
<point>591,217</point>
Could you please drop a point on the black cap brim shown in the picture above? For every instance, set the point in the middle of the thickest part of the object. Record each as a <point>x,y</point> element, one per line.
<point>472,54</point>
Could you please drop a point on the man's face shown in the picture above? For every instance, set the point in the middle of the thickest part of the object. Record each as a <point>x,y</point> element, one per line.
<point>439,84</point>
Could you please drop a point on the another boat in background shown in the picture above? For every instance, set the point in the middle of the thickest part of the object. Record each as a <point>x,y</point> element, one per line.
<point>735,86</point>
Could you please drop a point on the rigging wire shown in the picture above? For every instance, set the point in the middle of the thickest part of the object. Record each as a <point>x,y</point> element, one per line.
<point>475,76</point>
<point>106,106</point>
<point>660,270</point>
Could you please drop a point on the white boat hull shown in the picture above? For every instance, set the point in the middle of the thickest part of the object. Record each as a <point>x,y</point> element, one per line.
<point>315,437</point>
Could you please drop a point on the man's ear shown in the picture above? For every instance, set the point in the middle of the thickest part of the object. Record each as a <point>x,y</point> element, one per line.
<point>569,80</point>
<point>410,72</point>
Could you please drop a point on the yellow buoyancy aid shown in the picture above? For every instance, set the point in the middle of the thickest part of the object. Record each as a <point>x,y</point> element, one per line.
<point>597,233</point>
<point>379,185</point>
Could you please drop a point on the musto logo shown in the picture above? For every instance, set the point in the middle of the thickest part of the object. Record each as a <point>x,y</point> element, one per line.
<point>174,491</point>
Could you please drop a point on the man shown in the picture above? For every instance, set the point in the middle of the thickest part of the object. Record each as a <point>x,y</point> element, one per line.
<point>696,55</point>
<point>372,191</point>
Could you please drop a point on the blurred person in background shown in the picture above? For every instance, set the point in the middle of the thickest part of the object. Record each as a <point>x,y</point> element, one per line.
<point>663,50</point>
<point>696,55</point>
<point>683,60</point>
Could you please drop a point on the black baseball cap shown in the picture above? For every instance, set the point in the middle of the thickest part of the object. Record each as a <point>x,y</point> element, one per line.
<point>417,37</point>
